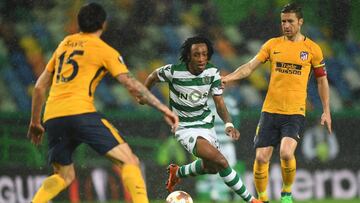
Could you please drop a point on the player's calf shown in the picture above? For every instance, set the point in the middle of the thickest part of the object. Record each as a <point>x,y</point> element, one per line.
<point>216,165</point>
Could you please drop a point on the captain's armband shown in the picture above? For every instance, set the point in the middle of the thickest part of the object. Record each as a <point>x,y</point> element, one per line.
<point>320,71</point>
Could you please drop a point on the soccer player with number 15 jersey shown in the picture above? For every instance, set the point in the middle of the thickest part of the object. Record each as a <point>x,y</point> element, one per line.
<point>78,64</point>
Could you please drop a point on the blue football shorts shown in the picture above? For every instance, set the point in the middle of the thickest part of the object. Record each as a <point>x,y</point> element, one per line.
<point>273,127</point>
<point>66,133</point>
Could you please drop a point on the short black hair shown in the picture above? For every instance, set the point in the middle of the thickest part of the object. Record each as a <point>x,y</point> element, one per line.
<point>186,47</point>
<point>91,17</point>
<point>293,8</point>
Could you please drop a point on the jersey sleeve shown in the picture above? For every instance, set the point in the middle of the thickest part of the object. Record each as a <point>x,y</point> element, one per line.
<point>318,59</point>
<point>50,66</point>
<point>216,85</point>
<point>114,63</point>
<point>264,54</point>
<point>165,73</point>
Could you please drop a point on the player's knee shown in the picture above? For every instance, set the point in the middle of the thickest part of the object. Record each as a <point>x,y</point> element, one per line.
<point>261,158</point>
<point>69,176</point>
<point>135,160</point>
<point>65,172</point>
<point>215,165</point>
<point>132,159</point>
<point>286,155</point>
<point>221,163</point>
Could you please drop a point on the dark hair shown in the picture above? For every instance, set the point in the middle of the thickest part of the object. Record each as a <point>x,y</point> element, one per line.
<point>186,47</point>
<point>91,17</point>
<point>293,8</point>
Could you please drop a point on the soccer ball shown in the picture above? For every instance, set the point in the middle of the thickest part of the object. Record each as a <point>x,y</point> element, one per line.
<point>179,197</point>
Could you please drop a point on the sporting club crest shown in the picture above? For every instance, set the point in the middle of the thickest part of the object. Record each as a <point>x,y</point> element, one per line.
<point>206,80</point>
<point>304,55</point>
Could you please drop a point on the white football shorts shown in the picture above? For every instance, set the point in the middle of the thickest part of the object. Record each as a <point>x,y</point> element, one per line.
<point>187,137</point>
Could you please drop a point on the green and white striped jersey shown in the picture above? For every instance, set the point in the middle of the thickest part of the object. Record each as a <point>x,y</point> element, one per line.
<point>189,93</point>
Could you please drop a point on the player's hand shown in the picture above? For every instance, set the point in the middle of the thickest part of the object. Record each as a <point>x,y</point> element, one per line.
<point>224,81</point>
<point>172,119</point>
<point>35,133</point>
<point>326,120</point>
<point>232,132</point>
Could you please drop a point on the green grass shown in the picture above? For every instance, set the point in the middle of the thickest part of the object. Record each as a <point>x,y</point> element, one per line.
<point>195,201</point>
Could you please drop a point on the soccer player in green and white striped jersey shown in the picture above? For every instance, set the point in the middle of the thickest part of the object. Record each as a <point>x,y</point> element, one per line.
<point>191,82</point>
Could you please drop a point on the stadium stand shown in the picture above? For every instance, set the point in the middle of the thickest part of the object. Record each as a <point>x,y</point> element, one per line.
<point>149,35</point>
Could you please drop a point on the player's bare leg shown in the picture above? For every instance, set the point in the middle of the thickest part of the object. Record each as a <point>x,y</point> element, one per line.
<point>131,173</point>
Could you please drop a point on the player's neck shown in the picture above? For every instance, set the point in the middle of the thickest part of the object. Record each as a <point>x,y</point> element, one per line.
<point>95,34</point>
<point>193,70</point>
<point>296,38</point>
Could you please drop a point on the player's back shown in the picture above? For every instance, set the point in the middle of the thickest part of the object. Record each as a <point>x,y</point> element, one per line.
<point>78,64</point>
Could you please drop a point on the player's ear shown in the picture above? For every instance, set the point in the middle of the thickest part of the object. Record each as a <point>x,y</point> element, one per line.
<point>104,25</point>
<point>301,21</point>
<point>188,57</point>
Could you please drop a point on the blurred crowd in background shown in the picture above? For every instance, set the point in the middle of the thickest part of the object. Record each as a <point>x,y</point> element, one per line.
<point>149,34</point>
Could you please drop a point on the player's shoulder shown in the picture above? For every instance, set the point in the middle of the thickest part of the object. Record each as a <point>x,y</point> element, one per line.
<point>106,48</point>
<point>310,43</point>
<point>178,67</point>
<point>67,39</point>
<point>314,47</point>
<point>210,67</point>
<point>96,42</point>
<point>168,68</point>
<point>275,40</point>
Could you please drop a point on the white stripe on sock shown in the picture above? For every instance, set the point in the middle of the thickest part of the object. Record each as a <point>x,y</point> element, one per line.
<point>187,168</point>
<point>245,194</point>
<point>238,185</point>
<point>230,177</point>
<point>193,167</point>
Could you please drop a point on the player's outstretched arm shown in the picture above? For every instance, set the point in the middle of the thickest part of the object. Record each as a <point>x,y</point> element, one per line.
<point>323,89</point>
<point>241,72</point>
<point>151,80</point>
<point>36,131</point>
<point>225,116</point>
<point>139,91</point>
